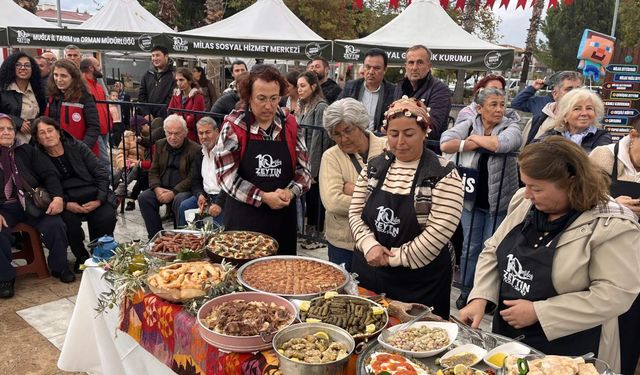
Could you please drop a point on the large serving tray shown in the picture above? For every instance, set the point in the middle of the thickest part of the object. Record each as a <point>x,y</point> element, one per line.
<point>217,258</point>
<point>293,257</point>
<point>168,255</point>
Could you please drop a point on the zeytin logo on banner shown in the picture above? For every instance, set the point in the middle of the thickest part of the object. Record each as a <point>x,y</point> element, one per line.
<point>23,37</point>
<point>180,44</point>
<point>493,60</point>
<point>145,42</point>
<point>351,52</point>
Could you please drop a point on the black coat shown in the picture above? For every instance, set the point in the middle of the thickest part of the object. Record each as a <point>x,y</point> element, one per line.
<point>353,89</point>
<point>11,104</point>
<point>36,169</point>
<point>436,95</point>
<point>88,172</point>
<point>330,90</point>
<point>156,87</point>
<point>224,105</point>
<point>92,122</point>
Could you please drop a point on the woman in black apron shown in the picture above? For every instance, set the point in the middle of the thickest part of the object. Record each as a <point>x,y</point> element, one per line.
<point>261,162</point>
<point>563,259</point>
<point>407,262</point>
<point>625,188</point>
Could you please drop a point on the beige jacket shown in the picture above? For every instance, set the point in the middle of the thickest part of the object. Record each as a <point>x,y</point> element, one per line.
<point>602,156</point>
<point>336,169</point>
<point>134,152</point>
<point>595,272</point>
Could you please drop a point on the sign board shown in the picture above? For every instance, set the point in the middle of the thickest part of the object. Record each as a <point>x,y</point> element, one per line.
<point>621,91</point>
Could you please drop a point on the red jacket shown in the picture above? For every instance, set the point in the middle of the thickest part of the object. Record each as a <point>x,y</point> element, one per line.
<point>195,102</point>
<point>98,93</point>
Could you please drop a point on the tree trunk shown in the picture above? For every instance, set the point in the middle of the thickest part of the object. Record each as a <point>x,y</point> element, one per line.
<point>534,26</point>
<point>167,12</point>
<point>468,24</point>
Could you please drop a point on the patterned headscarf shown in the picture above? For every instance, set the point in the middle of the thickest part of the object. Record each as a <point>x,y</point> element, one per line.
<point>409,107</point>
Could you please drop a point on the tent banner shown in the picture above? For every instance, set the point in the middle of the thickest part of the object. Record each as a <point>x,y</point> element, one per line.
<point>84,39</point>
<point>3,37</point>
<point>270,49</point>
<point>468,59</point>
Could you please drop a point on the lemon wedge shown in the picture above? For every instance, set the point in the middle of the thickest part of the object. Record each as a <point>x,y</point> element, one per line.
<point>459,370</point>
<point>321,335</point>
<point>313,320</point>
<point>370,328</point>
<point>377,310</point>
<point>331,294</point>
<point>281,351</point>
<point>305,305</point>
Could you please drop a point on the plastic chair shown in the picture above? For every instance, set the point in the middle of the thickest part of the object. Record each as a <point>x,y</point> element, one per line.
<point>32,252</point>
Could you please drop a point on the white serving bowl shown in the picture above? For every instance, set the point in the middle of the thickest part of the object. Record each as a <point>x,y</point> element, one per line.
<point>509,348</point>
<point>452,332</point>
<point>467,348</point>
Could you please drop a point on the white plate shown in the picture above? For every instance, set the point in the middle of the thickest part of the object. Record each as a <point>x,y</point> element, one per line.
<point>508,349</point>
<point>467,348</point>
<point>452,332</point>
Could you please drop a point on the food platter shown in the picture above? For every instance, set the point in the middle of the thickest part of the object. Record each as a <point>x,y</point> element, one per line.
<point>166,244</point>
<point>266,274</point>
<point>237,247</point>
<point>556,364</point>
<point>439,335</point>
<point>350,315</point>
<point>178,282</point>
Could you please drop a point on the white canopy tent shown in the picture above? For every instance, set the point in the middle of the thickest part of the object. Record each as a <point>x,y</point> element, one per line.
<point>426,22</point>
<point>125,15</point>
<point>13,14</point>
<point>265,19</point>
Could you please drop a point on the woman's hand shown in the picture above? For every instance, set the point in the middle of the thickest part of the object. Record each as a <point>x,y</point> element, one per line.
<point>473,313</point>
<point>56,206</point>
<point>348,187</point>
<point>26,127</point>
<point>75,208</point>
<point>378,256</point>
<point>519,314</point>
<point>274,200</point>
<point>630,203</point>
<point>91,205</point>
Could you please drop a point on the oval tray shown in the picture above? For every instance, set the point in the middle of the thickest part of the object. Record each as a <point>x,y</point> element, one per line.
<point>235,261</point>
<point>293,257</point>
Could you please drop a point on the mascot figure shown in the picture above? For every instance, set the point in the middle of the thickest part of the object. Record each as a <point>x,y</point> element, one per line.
<point>595,52</point>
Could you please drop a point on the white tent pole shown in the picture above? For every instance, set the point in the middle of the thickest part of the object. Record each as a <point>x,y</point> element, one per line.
<point>58,13</point>
<point>615,18</point>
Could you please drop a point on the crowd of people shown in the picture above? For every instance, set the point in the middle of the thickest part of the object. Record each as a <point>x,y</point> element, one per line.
<point>548,210</point>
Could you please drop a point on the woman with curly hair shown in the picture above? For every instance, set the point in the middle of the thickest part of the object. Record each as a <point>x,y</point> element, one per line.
<point>72,105</point>
<point>187,95</point>
<point>21,94</point>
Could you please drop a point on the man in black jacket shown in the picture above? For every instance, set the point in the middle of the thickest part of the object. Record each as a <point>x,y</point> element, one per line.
<point>330,88</point>
<point>373,90</point>
<point>421,84</point>
<point>157,84</point>
<point>23,165</point>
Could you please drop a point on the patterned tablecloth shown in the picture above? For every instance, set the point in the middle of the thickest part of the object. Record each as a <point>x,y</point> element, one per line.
<point>171,334</point>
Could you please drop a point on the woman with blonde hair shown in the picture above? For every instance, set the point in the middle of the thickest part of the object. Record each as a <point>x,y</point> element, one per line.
<point>563,265</point>
<point>577,120</point>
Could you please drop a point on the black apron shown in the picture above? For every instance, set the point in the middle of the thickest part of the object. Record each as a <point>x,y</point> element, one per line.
<point>629,322</point>
<point>392,218</point>
<point>266,164</point>
<point>525,272</point>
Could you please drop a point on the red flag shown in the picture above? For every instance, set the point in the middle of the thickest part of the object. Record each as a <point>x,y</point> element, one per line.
<point>394,4</point>
<point>505,3</point>
<point>553,4</point>
<point>444,4</point>
<point>460,4</point>
<point>521,3</point>
<point>490,3</point>
<point>357,4</point>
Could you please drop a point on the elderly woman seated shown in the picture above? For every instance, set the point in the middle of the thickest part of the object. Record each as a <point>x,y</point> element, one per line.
<point>24,169</point>
<point>85,184</point>
<point>577,120</point>
<point>346,122</point>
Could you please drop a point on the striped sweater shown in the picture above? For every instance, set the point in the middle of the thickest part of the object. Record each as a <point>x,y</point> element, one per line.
<point>438,207</point>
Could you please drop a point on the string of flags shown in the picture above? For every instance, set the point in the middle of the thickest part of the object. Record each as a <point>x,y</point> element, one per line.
<point>459,4</point>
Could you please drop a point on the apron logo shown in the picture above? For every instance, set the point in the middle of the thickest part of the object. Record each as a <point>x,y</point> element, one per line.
<point>515,276</point>
<point>76,117</point>
<point>267,166</point>
<point>387,222</point>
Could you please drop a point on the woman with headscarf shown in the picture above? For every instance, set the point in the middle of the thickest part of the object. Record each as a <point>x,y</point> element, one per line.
<point>405,207</point>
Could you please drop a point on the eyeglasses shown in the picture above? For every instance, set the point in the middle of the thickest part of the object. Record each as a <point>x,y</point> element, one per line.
<point>23,66</point>
<point>264,100</point>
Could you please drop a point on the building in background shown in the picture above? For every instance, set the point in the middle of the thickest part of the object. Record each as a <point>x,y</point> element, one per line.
<point>71,19</point>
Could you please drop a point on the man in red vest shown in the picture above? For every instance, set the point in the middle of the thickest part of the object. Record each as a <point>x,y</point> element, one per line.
<point>91,72</point>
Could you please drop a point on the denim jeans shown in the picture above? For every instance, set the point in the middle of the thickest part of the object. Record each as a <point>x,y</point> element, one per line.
<point>103,145</point>
<point>339,255</point>
<point>481,230</point>
<point>191,203</point>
